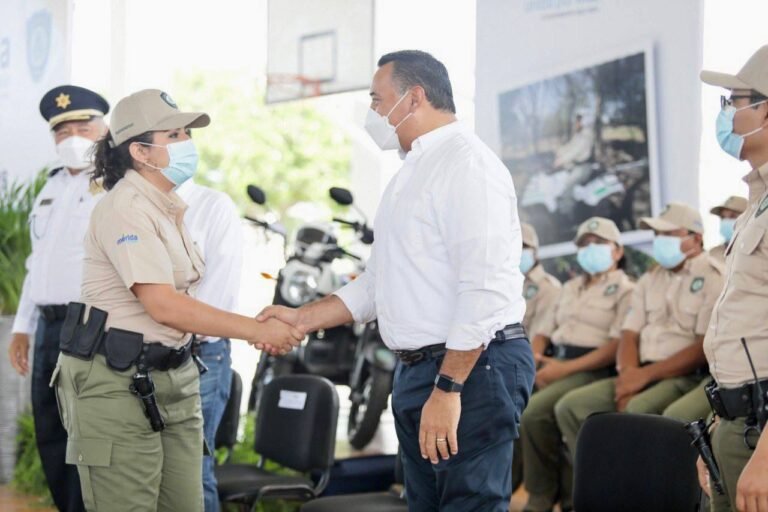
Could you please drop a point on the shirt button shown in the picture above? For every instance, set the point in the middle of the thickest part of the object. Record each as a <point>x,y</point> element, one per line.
<point>80,458</point>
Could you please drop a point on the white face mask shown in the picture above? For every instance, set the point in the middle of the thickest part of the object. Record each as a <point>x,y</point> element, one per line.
<point>381,130</point>
<point>75,152</point>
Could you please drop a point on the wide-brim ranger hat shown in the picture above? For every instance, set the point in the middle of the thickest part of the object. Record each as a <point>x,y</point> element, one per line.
<point>753,75</point>
<point>601,227</point>
<point>675,216</point>
<point>150,110</point>
<point>734,203</point>
<point>530,238</point>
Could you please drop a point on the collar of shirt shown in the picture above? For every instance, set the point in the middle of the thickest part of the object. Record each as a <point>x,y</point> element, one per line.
<point>170,203</point>
<point>601,279</point>
<point>432,139</point>
<point>537,274</point>
<point>757,180</point>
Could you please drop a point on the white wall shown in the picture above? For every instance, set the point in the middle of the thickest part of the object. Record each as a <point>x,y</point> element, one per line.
<point>34,57</point>
<point>522,39</point>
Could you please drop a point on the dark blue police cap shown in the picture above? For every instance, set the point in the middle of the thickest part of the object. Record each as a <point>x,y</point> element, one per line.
<point>71,103</point>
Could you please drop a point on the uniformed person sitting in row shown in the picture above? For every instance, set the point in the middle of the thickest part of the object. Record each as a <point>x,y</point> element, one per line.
<point>660,354</point>
<point>584,334</point>
<point>739,320</point>
<point>541,291</point>
<point>129,393</point>
<point>57,224</point>
<point>728,212</point>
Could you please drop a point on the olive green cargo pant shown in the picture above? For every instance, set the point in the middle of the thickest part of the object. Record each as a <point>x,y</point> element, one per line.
<point>731,454</point>
<point>123,464</point>
<point>547,473</point>
<point>576,406</point>
<point>692,406</point>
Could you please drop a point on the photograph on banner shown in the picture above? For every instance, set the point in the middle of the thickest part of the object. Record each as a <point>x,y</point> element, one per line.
<point>580,144</point>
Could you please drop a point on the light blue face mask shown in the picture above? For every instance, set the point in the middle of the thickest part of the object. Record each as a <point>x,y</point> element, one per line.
<point>666,251</point>
<point>726,228</point>
<point>595,258</point>
<point>729,141</point>
<point>527,260</point>
<point>182,163</point>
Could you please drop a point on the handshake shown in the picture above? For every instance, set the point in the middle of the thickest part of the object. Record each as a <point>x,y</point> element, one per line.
<point>278,330</point>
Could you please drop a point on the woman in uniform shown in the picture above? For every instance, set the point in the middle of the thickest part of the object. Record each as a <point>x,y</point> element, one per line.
<point>584,339</point>
<point>127,385</point>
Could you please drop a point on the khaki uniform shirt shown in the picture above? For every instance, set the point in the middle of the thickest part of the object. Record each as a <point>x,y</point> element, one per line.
<point>590,317</point>
<point>541,291</point>
<point>136,235</point>
<point>669,309</point>
<point>742,308</point>
<point>718,253</point>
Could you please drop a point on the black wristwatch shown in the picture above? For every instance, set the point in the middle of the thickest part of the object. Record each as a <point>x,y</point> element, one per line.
<point>447,384</point>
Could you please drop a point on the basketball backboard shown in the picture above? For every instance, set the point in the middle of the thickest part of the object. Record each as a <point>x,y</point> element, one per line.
<point>318,47</point>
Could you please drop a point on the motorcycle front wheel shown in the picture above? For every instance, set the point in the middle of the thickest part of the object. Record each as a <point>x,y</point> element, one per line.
<point>367,406</point>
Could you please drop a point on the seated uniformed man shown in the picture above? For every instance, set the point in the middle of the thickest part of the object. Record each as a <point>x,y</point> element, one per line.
<point>728,212</point>
<point>660,354</point>
<point>541,291</point>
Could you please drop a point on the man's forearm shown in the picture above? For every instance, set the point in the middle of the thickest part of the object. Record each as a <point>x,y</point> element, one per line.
<point>539,344</point>
<point>325,313</point>
<point>684,362</point>
<point>628,354</point>
<point>457,364</point>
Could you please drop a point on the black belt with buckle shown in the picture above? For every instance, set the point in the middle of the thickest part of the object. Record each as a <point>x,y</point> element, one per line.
<point>411,357</point>
<point>733,403</point>
<point>155,356</point>
<point>53,313</point>
<point>569,351</point>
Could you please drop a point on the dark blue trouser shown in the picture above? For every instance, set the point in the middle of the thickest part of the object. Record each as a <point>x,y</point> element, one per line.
<point>215,385</point>
<point>63,480</point>
<point>478,478</point>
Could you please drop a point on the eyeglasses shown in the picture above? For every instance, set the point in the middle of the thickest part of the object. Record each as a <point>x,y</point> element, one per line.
<point>753,98</point>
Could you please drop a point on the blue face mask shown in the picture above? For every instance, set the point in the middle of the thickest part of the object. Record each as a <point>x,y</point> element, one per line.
<point>731,142</point>
<point>183,161</point>
<point>527,261</point>
<point>726,228</point>
<point>595,258</point>
<point>666,251</point>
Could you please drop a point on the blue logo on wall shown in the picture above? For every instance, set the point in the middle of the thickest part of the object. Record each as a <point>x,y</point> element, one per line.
<point>39,29</point>
<point>127,239</point>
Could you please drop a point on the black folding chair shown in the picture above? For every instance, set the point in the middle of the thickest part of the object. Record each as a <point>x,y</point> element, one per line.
<point>391,501</point>
<point>296,428</point>
<point>226,434</point>
<point>634,463</point>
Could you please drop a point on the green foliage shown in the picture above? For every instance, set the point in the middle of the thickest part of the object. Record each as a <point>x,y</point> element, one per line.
<point>16,201</point>
<point>28,477</point>
<point>290,150</point>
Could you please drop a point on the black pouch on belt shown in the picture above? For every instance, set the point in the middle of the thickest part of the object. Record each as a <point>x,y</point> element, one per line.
<point>78,339</point>
<point>122,348</point>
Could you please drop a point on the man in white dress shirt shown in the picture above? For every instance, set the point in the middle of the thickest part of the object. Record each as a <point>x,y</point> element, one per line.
<point>444,282</point>
<point>58,223</point>
<point>214,224</point>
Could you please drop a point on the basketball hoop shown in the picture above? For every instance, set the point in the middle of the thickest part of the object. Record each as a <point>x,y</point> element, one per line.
<point>287,86</point>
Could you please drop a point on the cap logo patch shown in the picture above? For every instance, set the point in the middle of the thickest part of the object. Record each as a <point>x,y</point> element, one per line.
<point>697,284</point>
<point>531,292</point>
<point>763,206</point>
<point>63,101</point>
<point>168,100</point>
<point>593,225</point>
<point>127,239</point>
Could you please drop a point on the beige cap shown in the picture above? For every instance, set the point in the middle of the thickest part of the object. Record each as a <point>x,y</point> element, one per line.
<point>735,203</point>
<point>754,74</point>
<point>530,238</point>
<point>150,110</point>
<point>675,216</point>
<point>600,226</point>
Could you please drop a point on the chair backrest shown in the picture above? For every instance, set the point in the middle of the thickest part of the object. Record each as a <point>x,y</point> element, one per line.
<point>226,434</point>
<point>634,463</point>
<point>296,422</point>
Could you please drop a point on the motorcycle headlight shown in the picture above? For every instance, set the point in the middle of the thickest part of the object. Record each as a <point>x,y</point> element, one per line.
<point>299,288</point>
